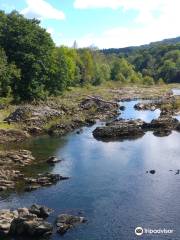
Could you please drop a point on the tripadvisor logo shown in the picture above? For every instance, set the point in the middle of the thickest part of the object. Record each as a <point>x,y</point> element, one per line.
<point>139,231</point>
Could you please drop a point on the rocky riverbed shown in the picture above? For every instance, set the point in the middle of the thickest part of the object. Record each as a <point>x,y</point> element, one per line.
<point>130,129</point>
<point>87,112</point>
<point>12,165</point>
<point>30,222</point>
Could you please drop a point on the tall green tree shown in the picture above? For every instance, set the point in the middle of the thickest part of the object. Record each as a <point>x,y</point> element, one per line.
<point>29,46</point>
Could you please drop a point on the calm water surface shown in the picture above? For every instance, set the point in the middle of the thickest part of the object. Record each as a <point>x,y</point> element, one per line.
<point>109,183</point>
<point>176,91</point>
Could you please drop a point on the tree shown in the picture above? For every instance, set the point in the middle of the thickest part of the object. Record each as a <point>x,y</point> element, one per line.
<point>123,71</point>
<point>147,80</point>
<point>86,66</point>
<point>29,46</point>
<point>9,76</point>
<point>62,71</point>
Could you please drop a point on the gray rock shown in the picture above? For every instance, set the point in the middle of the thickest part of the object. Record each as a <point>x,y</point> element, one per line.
<point>40,211</point>
<point>30,225</point>
<point>65,222</point>
<point>53,160</point>
<point>22,222</point>
<point>120,130</point>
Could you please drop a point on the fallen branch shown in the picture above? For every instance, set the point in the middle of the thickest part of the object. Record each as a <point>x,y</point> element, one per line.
<point>101,100</point>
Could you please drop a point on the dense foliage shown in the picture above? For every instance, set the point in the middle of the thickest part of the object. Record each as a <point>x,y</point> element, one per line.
<point>32,67</point>
<point>159,61</point>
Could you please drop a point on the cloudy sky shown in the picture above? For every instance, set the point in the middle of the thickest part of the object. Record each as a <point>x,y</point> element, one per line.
<point>103,23</point>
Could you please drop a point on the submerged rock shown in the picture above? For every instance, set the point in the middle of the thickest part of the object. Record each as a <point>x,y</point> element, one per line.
<point>122,108</point>
<point>53,160</point>
<point>43,180</point>
<point>64,222</point>
<point>9,161</point>
<point>79,131</point>
<point>152,171</point>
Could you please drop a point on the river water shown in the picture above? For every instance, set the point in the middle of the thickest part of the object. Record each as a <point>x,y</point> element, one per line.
<point>108,183</point>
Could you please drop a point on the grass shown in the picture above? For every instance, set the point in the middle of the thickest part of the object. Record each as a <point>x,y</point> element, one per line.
<point>70,99</point>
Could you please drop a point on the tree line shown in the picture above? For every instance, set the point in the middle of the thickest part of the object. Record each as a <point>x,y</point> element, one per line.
<point>32,67</point>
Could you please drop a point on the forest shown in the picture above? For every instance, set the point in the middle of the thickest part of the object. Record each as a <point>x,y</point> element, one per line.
<point>32,67</point>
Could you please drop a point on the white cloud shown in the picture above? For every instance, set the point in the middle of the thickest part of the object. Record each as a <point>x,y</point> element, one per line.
<point>42,10</point>
<point>50,30</point>
<point>146,26</point>
<point>115,4</point>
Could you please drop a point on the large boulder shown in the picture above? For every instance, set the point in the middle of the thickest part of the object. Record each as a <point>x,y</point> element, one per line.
<point>20,114</point>
<point>40,211</point>
<point>6,218</point>
<point>22,222</point>
<point>120,130</point>
<point>164,123</point>
<point>32,113</point>
<point>30,225</point>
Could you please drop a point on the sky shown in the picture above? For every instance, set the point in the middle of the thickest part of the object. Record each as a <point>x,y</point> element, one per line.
<point>102,23</point>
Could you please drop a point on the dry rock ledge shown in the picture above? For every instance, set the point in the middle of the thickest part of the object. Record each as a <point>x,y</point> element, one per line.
<point>30,222</point>
<point>25,222</point>
<point>9,162</point>
<point>11,171</point>
<point>130,129</point>
<point>42,180</point>
<point>34,119</point>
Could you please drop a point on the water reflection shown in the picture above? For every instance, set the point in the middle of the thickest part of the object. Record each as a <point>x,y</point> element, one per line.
<point>176,91</point>
<point>109,183</point>
<point>131,113</point>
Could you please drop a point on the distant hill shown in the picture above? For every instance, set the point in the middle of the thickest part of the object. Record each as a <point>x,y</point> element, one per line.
<point>131,49</point>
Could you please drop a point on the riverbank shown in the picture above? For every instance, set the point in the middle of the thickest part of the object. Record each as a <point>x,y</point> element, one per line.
<point>81,153</point>
<point>75,108</point>
<point>78,107</point>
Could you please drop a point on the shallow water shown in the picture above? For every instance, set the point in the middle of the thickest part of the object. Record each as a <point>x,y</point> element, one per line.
<point>176,91</point>
<point>109,183</point>
<point>131,113</point>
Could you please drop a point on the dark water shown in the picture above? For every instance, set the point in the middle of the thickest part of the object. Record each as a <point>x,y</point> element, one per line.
<point>109,184</point>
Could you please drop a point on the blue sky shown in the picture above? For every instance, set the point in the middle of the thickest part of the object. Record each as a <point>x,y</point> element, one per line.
<point>103,23</point>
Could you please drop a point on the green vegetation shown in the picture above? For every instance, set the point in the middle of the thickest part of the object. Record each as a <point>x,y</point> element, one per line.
<point>32,67</point>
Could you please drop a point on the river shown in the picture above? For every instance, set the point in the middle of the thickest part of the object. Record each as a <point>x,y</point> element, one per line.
<point>108,182</point>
